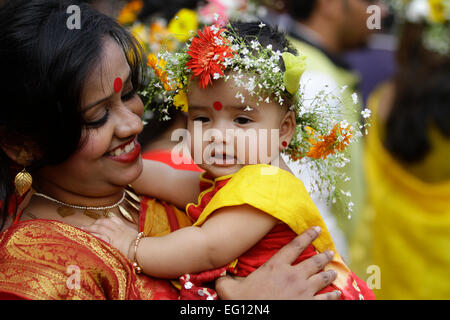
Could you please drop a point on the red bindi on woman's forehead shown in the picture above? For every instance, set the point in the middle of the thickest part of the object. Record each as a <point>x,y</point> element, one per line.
<point>118,85</point>
<point>217,105</point>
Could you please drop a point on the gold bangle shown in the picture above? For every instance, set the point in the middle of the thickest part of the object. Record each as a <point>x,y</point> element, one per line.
<point>137,268</point>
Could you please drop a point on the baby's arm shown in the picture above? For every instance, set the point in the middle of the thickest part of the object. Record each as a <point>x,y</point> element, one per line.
<point>163,182</point>
<point>226,235</point>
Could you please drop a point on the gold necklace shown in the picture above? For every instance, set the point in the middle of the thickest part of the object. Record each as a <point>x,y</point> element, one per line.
<point>67,209</point>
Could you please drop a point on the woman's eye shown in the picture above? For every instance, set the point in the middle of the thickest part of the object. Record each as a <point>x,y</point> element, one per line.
<point>202,119</point>
<point>99,122</point>
<point>129,95</point>
<point>242,120</point>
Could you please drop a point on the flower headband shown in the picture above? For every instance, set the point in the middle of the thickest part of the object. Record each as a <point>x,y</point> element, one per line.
<point>434,13</point>
<point>322,133</point>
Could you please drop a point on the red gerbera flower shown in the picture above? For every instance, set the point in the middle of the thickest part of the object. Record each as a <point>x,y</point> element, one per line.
<point>208,52</point>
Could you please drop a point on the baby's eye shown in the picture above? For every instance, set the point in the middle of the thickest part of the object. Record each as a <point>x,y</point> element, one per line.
<point>201,118</point>
<point>242,120</point>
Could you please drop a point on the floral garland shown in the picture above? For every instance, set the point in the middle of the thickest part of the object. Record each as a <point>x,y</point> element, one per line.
<point>434,13</point>
<point>322,133</point>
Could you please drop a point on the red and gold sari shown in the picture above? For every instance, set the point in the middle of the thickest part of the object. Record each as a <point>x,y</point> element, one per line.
<point>47,259</point>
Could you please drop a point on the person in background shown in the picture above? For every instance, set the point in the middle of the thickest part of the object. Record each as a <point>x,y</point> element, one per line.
<point>407,165</point>
<point>375,62</point>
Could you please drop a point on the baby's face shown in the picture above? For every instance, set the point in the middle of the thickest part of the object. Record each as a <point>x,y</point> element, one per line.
<point>227,135</point>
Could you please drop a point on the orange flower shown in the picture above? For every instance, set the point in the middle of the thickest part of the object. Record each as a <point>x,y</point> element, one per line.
<point>158,67</point>
<point>130,12</point>
<point>208,52</point>
<point>159,36</point>
<point>329,144</point>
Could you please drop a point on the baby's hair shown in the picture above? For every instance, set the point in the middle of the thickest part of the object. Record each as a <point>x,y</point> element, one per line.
<point>265,35</point>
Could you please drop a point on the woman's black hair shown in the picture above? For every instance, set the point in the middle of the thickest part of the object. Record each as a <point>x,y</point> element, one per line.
<point>44,65</point>
<point>422,98</point>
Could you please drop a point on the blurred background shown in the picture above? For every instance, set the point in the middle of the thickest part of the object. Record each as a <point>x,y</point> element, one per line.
<point>395,56</point>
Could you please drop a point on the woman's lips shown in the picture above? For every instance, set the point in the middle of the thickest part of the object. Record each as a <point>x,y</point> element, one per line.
<point>127,153</point>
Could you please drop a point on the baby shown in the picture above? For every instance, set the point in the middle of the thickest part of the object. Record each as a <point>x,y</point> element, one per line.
<point>242,114</point>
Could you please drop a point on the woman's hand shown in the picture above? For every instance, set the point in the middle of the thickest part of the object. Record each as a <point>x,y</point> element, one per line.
<point>277,279</point>
<point>115,232</point>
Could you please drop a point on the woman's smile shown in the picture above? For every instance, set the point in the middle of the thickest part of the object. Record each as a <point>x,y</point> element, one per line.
<point>126,153</point>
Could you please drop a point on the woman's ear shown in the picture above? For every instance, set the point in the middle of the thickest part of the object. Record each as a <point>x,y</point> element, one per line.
<point>19,154</point>
<point>287,129</point>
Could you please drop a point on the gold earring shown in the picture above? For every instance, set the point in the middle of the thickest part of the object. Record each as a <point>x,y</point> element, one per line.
<point>23,182</point>
<point>23,179</point>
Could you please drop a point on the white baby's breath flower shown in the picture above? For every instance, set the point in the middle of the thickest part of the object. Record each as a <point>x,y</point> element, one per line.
<point>216,16</point>
<point>418,10</point>
<point>254,44</point>
<point>240,96</point>
<point>366,113</point>
<point>215,29</point>
<point>262,25</point>
<point>277,54</point>
<point>218,41</point>
<point>355,98</point>
<point>245,51</point>
<point>216,76</point>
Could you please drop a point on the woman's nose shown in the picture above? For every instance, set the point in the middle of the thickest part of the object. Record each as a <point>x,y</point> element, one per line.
<point>129,123</point>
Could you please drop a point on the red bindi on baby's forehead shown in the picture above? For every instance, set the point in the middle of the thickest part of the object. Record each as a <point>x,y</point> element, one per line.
<point>118,84</point>
<point>217,105</point>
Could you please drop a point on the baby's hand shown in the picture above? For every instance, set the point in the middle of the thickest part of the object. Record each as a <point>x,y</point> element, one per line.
<point>115,232</point>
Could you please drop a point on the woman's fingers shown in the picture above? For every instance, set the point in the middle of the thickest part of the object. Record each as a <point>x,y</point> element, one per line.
<point>102,236</point>
<point>334,295</point>
<point>99,227</point>
<point>316,263</point>
<point>322,279</point>
<point>292,250</point>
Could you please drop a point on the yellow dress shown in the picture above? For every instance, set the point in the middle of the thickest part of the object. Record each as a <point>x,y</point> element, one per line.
<point>281,195</point>
<point>405,226</point>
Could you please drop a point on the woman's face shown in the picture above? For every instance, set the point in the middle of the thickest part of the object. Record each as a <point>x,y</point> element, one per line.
<point>110,157</point>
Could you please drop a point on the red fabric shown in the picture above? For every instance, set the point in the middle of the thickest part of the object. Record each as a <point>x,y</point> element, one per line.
<point>35,254</point>
<point>164,156</point>
<point>171,216</point>
<point>279,236</point>
<point>194,211</point>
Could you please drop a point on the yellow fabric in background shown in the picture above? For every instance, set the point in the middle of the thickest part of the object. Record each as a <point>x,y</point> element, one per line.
<point>405,225</point>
